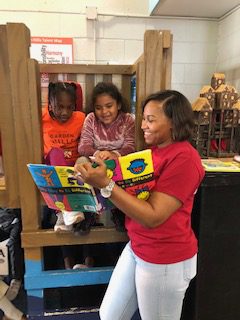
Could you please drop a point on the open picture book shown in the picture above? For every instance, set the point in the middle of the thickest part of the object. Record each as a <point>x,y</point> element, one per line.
<point>216,165</point>
<point>61,190</point>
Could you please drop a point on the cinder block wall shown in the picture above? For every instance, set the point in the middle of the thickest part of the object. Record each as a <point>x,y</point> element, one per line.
<point>228,53</point>
<point>118,38</point>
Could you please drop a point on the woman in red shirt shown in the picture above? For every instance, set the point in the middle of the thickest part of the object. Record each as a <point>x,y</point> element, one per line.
<point>158,263</point>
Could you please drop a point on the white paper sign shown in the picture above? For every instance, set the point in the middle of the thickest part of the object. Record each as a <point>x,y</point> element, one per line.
<point>4,271</point>
<point>52,50</point>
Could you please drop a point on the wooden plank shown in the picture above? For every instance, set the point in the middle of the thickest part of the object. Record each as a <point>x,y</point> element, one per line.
<point>21,35</point>
<point>134,66</point>
<point>35,109</point>
<point>53,77</point>
<point>153,58</point>
<point>107,78</point>
<point>33,254</point>
<point>45,238</point>
<point>17,37</point>
<point>36,125</point>
<point>167,66</point>
<point>4,198</point>
<point>88,89</point>
<point>72,77</point>
<point>166,39</point>
<point>68,278</point>
<point>86,69</point>
<point>10,197</point>
<point>2,183</point>
<point>126,88</point>
<point>140,96</point>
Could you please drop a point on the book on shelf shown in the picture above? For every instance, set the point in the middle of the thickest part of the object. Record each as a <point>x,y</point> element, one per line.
<point>216,165</point>
<point>61,189</point>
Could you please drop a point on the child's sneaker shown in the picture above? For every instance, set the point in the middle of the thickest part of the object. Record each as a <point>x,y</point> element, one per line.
<point>88,263</point>
<point>79,266</point>
<point>60,225</point>
<point>72,217</point>
<point>13,289</point>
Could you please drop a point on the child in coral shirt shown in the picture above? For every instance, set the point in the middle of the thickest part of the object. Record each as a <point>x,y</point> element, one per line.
<point>62,127</point>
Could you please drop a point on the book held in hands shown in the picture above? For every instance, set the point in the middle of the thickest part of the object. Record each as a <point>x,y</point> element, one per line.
<point>62,190</point>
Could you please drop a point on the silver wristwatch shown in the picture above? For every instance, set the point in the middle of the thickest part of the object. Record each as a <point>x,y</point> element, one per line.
<point>107,191</point>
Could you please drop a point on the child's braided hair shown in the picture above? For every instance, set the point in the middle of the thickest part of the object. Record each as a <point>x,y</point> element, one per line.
<point>55,88</point>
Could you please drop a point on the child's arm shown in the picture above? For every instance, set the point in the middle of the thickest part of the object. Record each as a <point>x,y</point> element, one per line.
<point>129,137</point>
<point>85,147</point>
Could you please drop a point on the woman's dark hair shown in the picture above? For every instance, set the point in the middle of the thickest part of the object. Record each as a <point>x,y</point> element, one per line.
<point>178,109</point>
<point>55,89</point>
<point>110,89</point>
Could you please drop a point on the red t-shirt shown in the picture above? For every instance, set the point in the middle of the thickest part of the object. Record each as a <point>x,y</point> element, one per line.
<point>178,172</point>
<point>63,135</point>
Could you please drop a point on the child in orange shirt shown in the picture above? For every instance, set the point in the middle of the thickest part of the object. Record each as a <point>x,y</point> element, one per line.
<point>62,127</point>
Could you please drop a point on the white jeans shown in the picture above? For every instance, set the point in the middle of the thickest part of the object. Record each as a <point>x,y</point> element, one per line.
<point>156,289</point>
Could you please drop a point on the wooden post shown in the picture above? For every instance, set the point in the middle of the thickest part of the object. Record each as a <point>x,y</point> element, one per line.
<point>141,94</point>
<point>89,88</point>
<point>26,130</point>
<point>153,58</point>
<point>11,195</point>
<point>153,71</point>
<point>126,87</point>
<point>167,60</point>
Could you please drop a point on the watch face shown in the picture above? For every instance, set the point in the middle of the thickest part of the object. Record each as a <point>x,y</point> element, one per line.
<point>105,193</point>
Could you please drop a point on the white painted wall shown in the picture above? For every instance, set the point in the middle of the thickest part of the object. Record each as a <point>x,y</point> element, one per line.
<point>228,57</point>
<point>119,32</point>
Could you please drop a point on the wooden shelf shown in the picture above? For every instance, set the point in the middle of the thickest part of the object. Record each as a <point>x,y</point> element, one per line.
<point>45,238</point>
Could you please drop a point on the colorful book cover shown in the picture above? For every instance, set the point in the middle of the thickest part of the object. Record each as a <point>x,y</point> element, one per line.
<point>216,165</point>
<point>61,190</point>
<point>134,173</point>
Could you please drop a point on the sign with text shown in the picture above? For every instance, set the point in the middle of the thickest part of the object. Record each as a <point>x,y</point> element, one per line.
<point>52,50</point>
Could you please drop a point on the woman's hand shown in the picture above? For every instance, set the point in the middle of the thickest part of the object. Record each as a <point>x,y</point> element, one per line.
<point>96,177</point>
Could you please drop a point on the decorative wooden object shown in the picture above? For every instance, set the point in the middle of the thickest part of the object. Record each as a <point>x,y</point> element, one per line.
<point>226,97</point>
<point>222,137</point>
<point>217,80</point>
<point>202,118</point>
<point>209,93</point>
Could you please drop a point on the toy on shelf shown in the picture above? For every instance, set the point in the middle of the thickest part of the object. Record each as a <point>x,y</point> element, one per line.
<point>209,93</point>
<point>202,119</point>
<point>217,80</point>
<point>217,119</point>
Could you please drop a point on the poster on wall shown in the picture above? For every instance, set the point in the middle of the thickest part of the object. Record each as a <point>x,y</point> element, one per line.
<point>51,50</point>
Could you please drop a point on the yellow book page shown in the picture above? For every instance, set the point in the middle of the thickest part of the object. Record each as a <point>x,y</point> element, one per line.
<point>136,164</point>
<point>67,178</point>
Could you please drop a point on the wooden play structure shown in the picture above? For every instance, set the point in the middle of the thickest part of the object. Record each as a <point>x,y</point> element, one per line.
<point>20,127</point>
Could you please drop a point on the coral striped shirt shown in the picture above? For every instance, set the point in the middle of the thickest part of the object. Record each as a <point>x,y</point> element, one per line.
<point>118,136</point>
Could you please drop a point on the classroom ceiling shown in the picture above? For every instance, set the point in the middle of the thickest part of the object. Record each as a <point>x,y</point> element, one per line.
<point>194,8</point>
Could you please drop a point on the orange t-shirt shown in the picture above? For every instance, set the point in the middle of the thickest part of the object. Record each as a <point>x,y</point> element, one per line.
<point>62,135</point>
